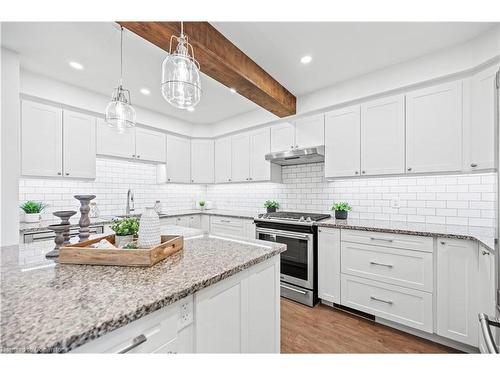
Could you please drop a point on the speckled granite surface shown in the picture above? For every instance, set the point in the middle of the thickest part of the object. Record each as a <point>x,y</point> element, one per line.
<point>42,226</point>
<point>49,307</point>
<point>484,235</point>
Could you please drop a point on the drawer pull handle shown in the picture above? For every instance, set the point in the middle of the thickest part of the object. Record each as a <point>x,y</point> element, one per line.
<point>141,339</point>
<point>381,300</point>
<point>381,239</point>
<point>484,252</point>
<point>381,264</point>
<point>225,221</point>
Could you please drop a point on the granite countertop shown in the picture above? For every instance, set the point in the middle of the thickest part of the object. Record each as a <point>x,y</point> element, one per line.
<point>52,307</point>
<point>484,235</point>
<point>42,226</point>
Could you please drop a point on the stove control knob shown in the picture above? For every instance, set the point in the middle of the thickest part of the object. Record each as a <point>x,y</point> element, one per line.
<point>302,219</point>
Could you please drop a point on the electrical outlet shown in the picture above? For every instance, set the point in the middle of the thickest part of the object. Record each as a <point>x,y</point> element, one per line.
<point>395,203</point>
<point>186,314</point>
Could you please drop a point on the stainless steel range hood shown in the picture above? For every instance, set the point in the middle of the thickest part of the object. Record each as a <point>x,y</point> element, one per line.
<point>299,156</point>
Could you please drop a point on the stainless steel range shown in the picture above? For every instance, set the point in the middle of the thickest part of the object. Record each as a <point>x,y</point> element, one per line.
<point>299,262</point>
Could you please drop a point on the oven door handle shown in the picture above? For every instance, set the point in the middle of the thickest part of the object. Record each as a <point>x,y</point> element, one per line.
<point>293,289</point>
<point>284,234</point>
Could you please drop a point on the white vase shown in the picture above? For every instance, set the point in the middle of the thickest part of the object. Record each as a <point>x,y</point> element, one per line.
<point>149,229</point>
<point>31,218</point>
<point>121,241</point>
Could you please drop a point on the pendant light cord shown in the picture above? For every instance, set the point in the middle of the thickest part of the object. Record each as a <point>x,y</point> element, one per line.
<point>182,29</point>
<point>121,55</point>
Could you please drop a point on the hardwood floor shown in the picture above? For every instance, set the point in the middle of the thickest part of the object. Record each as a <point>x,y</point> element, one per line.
<point>323,329</point>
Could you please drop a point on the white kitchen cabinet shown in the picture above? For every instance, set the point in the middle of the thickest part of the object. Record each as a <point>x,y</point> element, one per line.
<point>182,221</point>
<point>223,160</point>
<point>150,145</point>
<point>383,136</point>
<point>310,131</point>
<point>112,143</point>
<point>479,127</point>
<point>457,290</point>
<point>202,161</point>
<point>227,226</point>
<point>434,129</point>
<point>282,137</point>
<point>487,291</point>
<point>178,159</point>
<point>194,221</point>
<point>260,145</point>
<point>342,142</point>
<point>41,139</point>
<point>329,264</point>
<point>240,314</point>
<point>240,157</point>
<point>79,145</point>
<point>249,229</point>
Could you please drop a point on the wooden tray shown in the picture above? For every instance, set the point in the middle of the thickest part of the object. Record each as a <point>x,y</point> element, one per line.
<point>81,253</point>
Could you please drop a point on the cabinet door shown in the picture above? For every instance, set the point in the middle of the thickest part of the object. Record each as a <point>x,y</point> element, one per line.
<point>194,221</point>
<point>150,145</point>
<point>79,145</point>
<point>310,131</point>
<point>178,159</point>
<point>260,145</point>
<point>480,132</point>
<point>240,157</point>
<point>486,289</point>
<point>223,160</point>
<point>329,264</point>
<point>457,288</point>
<point>202,161</point>
<point>41,139</point>
<point>342,142</point>
<point>112,143</point>
<point>434,129</point>
<point>282,137</point>
<point>383,136</point>
<point>218,318</point>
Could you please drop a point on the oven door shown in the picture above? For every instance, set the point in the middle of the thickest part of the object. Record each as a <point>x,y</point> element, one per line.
<point>297,262</point>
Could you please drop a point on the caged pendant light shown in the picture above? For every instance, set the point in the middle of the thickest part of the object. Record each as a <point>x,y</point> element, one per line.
<point>119,112</point>
<point>181,81</point>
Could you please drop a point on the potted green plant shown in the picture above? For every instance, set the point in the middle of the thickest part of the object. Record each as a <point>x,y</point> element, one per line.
<point>341,209</point>
<point>125,229</point>
<point>32,211</point>
<point>271,206</point>
<point>201,204</point>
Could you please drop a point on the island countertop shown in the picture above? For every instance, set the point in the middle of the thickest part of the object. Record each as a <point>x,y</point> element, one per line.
<point>52,307</point>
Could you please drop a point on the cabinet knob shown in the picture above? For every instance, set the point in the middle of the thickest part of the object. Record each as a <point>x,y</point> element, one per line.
<point>133,156</point>
<point>357,172</point>
<point>443,243</point>
<point>138,156</point>
<point>291,146</point>
<point>473,165</point>
<point>59,173</point>
<point>484,252</point>
<point>229,179</point>
<point>168,179</point>
<point>67,174</point>
<point>192,180</point>
<point>409,169</point>
<point>363,172</point>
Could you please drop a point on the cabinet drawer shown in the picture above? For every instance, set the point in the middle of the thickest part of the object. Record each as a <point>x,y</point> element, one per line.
<point>227,221</point>
<point>226,230</point>
<point>402,241</point>
<point>407,268</point>
<point>410,307</point>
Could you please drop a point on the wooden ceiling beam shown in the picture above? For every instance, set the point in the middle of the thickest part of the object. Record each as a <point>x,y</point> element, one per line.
<point>223,61</point>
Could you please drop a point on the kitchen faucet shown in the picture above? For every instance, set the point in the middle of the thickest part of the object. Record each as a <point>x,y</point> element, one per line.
<point>130,202</point>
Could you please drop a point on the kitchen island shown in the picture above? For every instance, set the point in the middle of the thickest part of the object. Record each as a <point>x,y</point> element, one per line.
<point>216,295</point>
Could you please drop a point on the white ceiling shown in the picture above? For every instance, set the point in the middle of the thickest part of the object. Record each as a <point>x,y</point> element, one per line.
<point>340,51</point>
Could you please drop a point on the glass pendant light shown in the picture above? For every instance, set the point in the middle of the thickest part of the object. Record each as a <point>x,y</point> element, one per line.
<point>181,83</point>
<point>119,112</point>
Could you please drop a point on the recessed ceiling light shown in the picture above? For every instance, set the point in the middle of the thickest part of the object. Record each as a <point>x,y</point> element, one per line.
<point>306,59</point>
<point>190,109</point>
<point>232,90</point>
<point>76,65</point>
<point>145,91</point>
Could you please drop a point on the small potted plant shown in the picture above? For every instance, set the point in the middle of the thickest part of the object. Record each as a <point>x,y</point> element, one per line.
<point>125,229</point>
<point>271,206</point>
<point>341,209</point>
<point>32,211</point>
<point>201,204</point>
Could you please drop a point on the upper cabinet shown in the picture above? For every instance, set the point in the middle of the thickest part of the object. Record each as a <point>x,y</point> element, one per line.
<point>202,161</point>
<point>41,139</point>
<point>240,157</point>
<point>306,132</point>
<point>260,145</point>
<point>69,143</point>
<point>112,143</point>
<point>479,123</point>
<point>150,145</point>
<point>383,136</point>
<point>178,159</point>
<point>310,131</point>
<point>223,160</point>
<point>342,142</point>
<point>79,144</point>
<point>434,129</point>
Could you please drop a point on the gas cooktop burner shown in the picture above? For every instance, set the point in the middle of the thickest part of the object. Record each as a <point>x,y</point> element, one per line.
<point>301,217</point>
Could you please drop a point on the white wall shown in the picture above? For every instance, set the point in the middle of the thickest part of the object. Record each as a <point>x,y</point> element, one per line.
<point>49,89</point>
<point>10,141</point>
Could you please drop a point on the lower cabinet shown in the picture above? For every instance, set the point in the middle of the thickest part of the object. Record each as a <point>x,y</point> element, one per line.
<point>329,264</point>
<point>232,227</point>
<point>240,314</point>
